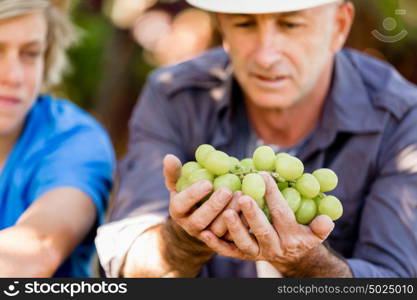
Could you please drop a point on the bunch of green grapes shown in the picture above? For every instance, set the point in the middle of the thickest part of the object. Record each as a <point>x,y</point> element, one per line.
<point>304,192</point>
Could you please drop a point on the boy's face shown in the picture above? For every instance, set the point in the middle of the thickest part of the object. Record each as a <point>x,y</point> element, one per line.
<point>22,47</point>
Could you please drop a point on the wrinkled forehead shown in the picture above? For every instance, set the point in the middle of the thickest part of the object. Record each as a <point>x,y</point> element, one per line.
<point>253,16</point>
<point>318,11</point>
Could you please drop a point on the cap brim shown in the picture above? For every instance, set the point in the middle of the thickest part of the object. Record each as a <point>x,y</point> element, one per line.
<point>256,6</point>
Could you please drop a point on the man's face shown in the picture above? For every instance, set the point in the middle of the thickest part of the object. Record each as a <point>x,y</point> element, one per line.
<point>278,59</point>
<point>22,47</point>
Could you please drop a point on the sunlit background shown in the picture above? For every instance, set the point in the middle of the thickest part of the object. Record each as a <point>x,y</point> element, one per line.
<point>123,40</point>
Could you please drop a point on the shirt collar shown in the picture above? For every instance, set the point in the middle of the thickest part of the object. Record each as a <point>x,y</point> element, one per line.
<point>349,107</point>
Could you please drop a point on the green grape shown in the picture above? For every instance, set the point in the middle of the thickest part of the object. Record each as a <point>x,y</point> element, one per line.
<point>293,198</point>
<point>330,206</point>
<point>247,164</point>
<point>235,163</point>
<point>230,181</point>
<point>306,212</point>
<point>317,200</point>
<point>289,167</point>
<point>282,154</point>
<point>202,152</point>
<point>189,167</point>
<point>308,186</point>
<point>282,185</point>
<point>253,185</point>
<point>182,184</point>
<point>264,158</point>
<point>261,203</point>
<point>200,174</point>
<point>326,178</point>
<point>218,163</point>
<point>267,213</point>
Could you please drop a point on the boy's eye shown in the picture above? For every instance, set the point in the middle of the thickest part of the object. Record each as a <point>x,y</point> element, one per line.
<point>31,54</point>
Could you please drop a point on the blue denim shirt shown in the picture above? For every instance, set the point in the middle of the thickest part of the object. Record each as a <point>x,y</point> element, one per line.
<point>367,135</point>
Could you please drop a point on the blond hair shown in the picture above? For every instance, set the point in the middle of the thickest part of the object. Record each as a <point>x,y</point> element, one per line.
<point>61,33</point>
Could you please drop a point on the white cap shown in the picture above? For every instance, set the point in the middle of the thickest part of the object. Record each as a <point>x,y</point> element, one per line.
<point>256,6</point>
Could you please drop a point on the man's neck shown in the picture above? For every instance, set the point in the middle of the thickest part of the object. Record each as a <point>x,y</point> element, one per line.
<point>288,127</point>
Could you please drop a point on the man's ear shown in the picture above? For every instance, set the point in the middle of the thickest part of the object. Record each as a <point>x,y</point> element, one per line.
<point>344,16</point>
<point>226,46</point>
<point>218,24</point>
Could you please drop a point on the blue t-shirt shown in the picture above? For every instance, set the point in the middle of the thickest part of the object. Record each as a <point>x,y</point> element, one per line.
<point>60,145</point>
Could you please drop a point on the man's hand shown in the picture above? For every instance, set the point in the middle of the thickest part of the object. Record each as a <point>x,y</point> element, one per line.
<point>294,249</point>
<point>174,248</point>
<point>184,251</point>
<point>219,227</point>
<point>183,206</point>
<point>183,203</point>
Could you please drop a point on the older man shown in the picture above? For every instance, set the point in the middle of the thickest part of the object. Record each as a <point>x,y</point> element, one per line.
<point>282,80</point>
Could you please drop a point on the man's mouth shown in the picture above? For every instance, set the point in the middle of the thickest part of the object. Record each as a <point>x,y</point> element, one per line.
<point>270,78</point>
<point>270,81</point>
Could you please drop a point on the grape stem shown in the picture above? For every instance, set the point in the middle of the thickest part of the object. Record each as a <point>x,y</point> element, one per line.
<point>243,172</point>
<point>292,183</point>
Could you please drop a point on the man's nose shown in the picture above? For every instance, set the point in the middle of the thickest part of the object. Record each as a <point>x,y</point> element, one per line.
<point>11,71</point>
<point>268,51</point>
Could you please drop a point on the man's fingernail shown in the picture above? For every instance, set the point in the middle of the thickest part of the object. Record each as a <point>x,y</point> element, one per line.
<point>265,175</point>
<point>245,202</point>
<point>225,192</point>
<point>205,236</point>
<point>205,184</point>
<point>230,214</point>
<point>237,193</point>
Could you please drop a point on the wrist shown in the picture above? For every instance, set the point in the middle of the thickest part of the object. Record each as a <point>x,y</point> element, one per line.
<point>305,266</point>
<point>320,261</point>
<point>185,254</point>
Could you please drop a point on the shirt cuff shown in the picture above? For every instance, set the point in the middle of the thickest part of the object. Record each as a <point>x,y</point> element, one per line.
<point>114,240</point>
<point>266,270</point>
<point>363,269</point>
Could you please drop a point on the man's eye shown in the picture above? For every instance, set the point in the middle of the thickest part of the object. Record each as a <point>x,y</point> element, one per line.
<point>290,25</point>
<point>244,24</point>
